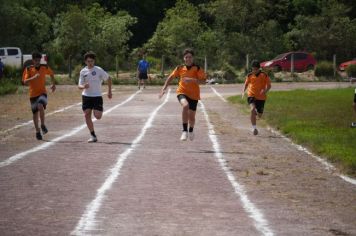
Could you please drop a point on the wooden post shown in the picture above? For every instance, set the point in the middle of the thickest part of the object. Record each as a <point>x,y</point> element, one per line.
<point>334,64</point>
<point>205,65</point>
<point>117,66</point>
<point>70,66</point>
<point>162,65</point>
<point>292,64</point>
<point>247,62</point>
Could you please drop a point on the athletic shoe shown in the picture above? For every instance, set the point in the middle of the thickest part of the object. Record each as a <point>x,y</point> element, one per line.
<point>38,136</point>
<point>255,131</point>
<point>92,139</point>
<point>184,136</point>
<point>191,136</point>
<point>44,129</point>
<point>353,125</point>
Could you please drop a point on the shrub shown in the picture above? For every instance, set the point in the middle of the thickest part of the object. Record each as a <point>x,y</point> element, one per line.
<point>229,72</point>
<point>76,73</point>
<point>324,69</point>
<point>7,87</point>
<point>351,70</point>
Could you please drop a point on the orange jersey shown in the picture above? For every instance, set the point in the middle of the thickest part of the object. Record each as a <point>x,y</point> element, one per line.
<point>256,83</point>
<point>188,87</point>
<point>38,85</point>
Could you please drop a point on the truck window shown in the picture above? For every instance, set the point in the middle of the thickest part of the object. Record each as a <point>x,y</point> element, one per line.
<point>12,52</point>
<point>2,52</point>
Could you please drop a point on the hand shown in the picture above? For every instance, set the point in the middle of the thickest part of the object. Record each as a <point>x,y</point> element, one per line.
<point>263,91</point>
<point>160,95</point>
<point>86,86</point>
<point>37,75</point>
<point>109,95</point>
<point>53,88</point>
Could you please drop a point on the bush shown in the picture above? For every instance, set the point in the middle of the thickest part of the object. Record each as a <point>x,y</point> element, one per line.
<point>351,71</point>
<point>324,69</point>
<point>76,73</point>
<point>229,72</point>
<point>7,87</point>
<point>12,72</point>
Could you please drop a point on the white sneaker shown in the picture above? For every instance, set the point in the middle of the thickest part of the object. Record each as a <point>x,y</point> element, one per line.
<point>184,136</point>
<point>191,136</point>
<point>255,131</point>
<point>92,139</point>
<point>353,125</point>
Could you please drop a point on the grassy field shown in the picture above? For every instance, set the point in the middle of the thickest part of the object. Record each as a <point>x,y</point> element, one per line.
<point>318,119</point>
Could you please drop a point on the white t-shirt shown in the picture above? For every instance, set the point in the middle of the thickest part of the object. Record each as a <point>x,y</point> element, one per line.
<point>95,77</point>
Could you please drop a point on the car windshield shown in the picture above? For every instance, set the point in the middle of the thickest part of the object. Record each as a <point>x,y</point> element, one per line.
<point>280,56</point>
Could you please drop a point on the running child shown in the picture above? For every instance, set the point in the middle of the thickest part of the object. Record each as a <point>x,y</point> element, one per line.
<point>35,76</point>
<point>142,71</point>
<point>188,91</point>
<point>258,84</point>
<point>90,80</point>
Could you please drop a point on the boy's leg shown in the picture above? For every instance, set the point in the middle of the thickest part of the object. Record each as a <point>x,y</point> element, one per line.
<point>253,114</point>
<point>98,114</point>
<point>185,116</point>
<point>88,121</point>
<point>42,113</point>
<point>35,121</point>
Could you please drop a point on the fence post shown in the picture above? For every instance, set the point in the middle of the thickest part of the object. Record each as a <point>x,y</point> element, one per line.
<point>247,62</point>
<point>162,65</point>
<point>292,65</point>
<point>205,64</point>
<point>70,66</point>
<point>117,66</point>
<point>334,64</point>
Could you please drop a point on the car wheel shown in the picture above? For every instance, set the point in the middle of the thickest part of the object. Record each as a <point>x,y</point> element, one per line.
<point>277,68</point>
<point>310,67</point>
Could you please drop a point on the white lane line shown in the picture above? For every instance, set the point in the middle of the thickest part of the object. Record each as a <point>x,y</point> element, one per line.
<point>328,166</point>
<point>254,213</point>
<point>88,222</point>
<point>218,94</point>
<point>48,114</point>
<point>45,145</point>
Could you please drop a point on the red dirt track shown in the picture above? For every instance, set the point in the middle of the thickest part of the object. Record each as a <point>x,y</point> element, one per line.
<point>165,186</point>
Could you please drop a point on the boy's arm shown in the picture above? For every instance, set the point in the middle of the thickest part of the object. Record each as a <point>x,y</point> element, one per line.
<point>53,87</point>
<point>244,88</point>
<point>164,88</point>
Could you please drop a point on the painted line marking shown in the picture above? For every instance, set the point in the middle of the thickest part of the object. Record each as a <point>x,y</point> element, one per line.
<point>218,94</point>
<point>87,221</point>
<point>328,166</point>
<point>49,114</point>
<point>254,213</point>
<point>44,146</point>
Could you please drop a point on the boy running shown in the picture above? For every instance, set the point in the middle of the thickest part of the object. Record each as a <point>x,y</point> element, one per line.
<point>35,77</point>
<point>258,84</point>
<point>142,71</point>
<point>90,80</point>
<point>188,91</point>
<point>353,124</point>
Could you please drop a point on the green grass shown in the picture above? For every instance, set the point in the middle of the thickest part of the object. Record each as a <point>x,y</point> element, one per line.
<point>319,120</point>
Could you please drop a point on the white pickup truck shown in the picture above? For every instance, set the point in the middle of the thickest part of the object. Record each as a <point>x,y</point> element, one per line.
<point>12,56</point>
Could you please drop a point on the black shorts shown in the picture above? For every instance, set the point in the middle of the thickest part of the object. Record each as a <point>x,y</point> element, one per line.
<point>259,104</point>
<point>93,103</point>
<point>42,99</point>
<point>192,103</point>
<point>142,75</point>
<point>355,97</point>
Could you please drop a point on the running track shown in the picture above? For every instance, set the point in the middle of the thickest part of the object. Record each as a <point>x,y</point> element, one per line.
<point>140,180</point>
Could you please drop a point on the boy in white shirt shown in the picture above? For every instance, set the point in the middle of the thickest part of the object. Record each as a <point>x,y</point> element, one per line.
<point>90,80</point>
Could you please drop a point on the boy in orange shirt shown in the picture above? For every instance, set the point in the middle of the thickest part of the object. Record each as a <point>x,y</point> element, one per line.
<point>258,84</point>
<point>188,91</point>
<point>35,77</point>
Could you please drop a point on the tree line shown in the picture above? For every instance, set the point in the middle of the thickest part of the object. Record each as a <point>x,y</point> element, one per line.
<point>224,31</point>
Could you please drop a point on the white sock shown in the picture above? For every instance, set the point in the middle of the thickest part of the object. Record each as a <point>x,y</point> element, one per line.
<point>254,126</point>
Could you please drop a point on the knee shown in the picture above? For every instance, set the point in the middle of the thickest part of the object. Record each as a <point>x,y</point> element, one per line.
<point>253,111</point>
<point>98,115</point>
<point>40,107</point>
<point>185,106</point>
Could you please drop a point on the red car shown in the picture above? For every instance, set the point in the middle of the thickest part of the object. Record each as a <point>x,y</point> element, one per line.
<point>345,64</point>
<point>303,61</point>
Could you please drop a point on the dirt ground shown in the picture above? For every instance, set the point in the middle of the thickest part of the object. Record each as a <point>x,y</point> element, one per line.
<point>159,185</point>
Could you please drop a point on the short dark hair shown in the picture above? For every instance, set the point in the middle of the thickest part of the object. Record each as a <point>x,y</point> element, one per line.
<point>36,55</point>
<point>255,64</point>
<point>89,54</point>
<point>188,50</point>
